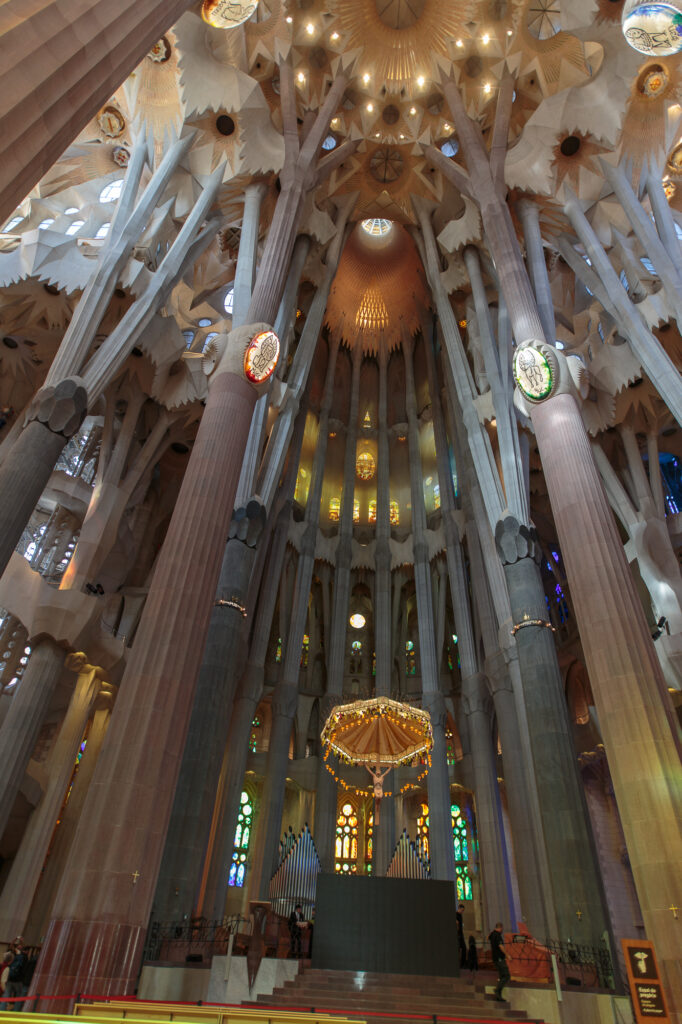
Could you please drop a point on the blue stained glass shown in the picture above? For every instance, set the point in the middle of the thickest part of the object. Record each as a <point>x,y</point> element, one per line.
<point>233,874</point>
<point>240,874</point>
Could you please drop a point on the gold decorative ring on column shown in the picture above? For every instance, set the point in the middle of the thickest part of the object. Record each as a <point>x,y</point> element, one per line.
<point>527,621</point>
<point>223,602</point>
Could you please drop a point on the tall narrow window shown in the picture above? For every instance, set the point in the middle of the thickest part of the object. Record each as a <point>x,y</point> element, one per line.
<point>242,837</point>
<point>346,847</point>
<point>460,841</point>
<point>372,511</point>
<point>394,513</point>
<point>334,510</point>
<point>410,659</point>
<point>369,844</point>
<point>305,647</point>
<point>423,830</point>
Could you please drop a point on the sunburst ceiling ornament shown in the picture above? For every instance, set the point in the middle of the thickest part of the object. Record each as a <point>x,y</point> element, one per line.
<point>377,226</point>
<point>653,28</point>
<point>399,39</point>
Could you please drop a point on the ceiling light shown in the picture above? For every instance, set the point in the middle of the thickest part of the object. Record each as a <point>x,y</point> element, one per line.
<point>377,135</point>
<point>334,36</point>
<point>370,107</point>
<point>413,111</point>
<point>486,39</point>
<point>420,81</point>
<point>459,43</point>
<point>510,32</point>
<point>446,127</point>
<point>365,78</point>
<point>402,136</point>
<point>335,121</point>
<point>301,76</point>
<point>289,19</point>
<point>487,87</point>
<point>310,28</point>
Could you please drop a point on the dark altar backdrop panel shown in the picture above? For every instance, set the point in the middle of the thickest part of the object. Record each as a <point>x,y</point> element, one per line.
<point>390,925</point>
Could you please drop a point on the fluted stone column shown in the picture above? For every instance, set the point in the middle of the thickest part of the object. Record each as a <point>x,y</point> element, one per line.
<point>101,910</point>
<point>640,733</point>
<point>497,891</point>
<point>225,651</point>
<point>63,61</point>
<point>49,880</point>
<point>285,698</point>
<point>24,718</point>
<point>325,799</point>
<point>245,273</point>
<point>576,884</point>
<point>20,885</point>
<point>213,891</point>
<point>384,832</point>
<point>440,826</point>
<point>537,268</point>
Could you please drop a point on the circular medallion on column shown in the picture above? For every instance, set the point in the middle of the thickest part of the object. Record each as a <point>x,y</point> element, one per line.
<point>535,373</point>
<point>260,358</point>
<point>227,13</point>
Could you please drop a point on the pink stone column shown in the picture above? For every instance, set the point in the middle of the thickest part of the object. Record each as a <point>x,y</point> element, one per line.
<point>61,61</point>
<point>640,735</point>
<point>95,939</point>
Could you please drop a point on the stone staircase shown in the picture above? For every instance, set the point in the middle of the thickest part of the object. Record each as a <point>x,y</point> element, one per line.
<point>392,998</point>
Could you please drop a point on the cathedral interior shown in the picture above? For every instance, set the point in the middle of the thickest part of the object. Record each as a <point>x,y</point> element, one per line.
<point>340,360</point>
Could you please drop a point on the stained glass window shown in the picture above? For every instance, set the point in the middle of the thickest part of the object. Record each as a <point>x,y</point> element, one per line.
<point>436,496</point>
<point>394,513</point>
<point>356,510</point>
<point>278,650</point>
<point>305,646</point>
<point>369,844</point>
<point>346,846</point>
<point>242,837</point>
<point>334,509</point>
<point>410,659</point>
<point>253,739</point>
<point>372,516</point>
<point>356,647</point>
<point>365,466</point>
<point>460,843</point>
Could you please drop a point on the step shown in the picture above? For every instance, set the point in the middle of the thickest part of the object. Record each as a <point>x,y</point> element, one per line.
<point>358,1005</point>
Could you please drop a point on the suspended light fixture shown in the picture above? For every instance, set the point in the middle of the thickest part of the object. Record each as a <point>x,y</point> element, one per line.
<point>653,28</point>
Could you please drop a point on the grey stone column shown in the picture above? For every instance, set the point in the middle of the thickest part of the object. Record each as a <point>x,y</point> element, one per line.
<point>523,837</point>
<point>497,890</point>
<point>213,889</point>
<point>27,710</point>
<point>285,699</point>
<point>283,329</point>
<point>224,654</point>
<point>21,883</point>
<point>245,274</point>
<point>55,416</point>
<point>566,832</point>
<point>56,861</point>
<point>665,224</point>
<point>440,826</point>
<point>325,800</point>
<point>384,831</point>
<point>537,268</point>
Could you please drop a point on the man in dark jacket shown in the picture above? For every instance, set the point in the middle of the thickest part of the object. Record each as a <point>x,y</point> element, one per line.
<point>296,923</point>
<point>15,981</point>
<point>496,939</point>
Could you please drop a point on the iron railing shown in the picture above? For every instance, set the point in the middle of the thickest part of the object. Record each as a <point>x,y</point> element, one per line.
<point>195,940</point>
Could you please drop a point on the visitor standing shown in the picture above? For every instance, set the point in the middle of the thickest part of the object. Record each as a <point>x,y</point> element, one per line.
<point>496,939</point>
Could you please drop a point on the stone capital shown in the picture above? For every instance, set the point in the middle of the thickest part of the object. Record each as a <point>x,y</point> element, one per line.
<point>248,522</point>
<point>515,540</point>
<point>61,408</point>
<point>285,700</point>
<point>435,705</point>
